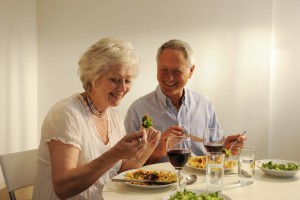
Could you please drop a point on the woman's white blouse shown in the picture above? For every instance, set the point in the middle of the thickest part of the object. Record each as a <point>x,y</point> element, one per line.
<point>70,121</point>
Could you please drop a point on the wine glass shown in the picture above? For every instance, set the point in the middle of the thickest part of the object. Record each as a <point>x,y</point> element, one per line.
<point>178,151</point>
<point>213,139</point>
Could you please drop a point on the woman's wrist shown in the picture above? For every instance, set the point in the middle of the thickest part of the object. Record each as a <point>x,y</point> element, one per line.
<point>139,162</point>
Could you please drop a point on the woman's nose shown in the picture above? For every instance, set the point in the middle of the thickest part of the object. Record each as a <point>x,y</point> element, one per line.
<point>121,86</point>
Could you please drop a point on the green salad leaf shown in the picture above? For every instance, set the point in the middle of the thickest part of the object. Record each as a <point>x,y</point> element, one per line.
<point>189,195</point>
<point>227,152</point>
<point>146,121</point>
<point>284,167</point>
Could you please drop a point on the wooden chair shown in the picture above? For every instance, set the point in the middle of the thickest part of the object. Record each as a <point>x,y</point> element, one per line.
<point>18,170</point>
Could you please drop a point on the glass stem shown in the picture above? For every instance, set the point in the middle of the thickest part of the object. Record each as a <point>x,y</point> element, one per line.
<point>178,179</point>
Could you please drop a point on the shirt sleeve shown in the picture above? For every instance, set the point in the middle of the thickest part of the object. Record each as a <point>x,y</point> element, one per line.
<point>214,123</point>
<point>62,123</point>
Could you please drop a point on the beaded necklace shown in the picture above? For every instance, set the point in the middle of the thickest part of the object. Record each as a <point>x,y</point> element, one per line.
<point>93,109</point>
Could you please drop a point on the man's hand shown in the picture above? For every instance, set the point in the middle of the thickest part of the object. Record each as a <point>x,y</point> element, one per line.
<point>229,141</point>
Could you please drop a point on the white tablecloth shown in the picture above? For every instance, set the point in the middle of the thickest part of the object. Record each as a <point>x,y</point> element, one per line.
<point>264,187</point>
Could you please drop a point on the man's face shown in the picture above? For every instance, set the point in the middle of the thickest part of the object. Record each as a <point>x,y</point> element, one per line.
<point>173,72</point>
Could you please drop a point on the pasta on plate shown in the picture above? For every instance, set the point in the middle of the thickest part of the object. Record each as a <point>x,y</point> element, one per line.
<point>200,162</point>
<point>154,175</point>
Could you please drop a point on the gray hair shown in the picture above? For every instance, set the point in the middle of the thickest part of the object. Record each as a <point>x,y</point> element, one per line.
<point>180,45</point>
<point>107,52</point>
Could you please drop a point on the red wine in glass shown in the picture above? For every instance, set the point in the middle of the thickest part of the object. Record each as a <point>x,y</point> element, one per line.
<point>213,139</point>
<point>178,151</point>
<point>178,157</point>
<point>214,147</point>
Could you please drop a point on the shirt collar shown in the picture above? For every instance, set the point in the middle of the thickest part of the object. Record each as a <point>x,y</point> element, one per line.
<point>164,99</point>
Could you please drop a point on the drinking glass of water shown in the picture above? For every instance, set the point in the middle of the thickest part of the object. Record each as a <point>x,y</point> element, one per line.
<point>246,165</point>
<point>214,171</point>
<point>178,151</point>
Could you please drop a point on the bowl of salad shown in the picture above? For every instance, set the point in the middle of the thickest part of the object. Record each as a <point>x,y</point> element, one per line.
<point>278,168</point>
<point>194,195</point>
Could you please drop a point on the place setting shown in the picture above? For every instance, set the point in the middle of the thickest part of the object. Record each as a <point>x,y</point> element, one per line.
<point>213,141</point>
<point>179,151</point>
<point>217,161</point>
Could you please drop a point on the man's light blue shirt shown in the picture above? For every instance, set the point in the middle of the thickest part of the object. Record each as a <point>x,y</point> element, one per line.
<point>195,114</point>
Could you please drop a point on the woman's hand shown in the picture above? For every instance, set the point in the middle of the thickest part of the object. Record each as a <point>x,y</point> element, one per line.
<point>139,148</point>
<point>160,150</point>
<point>131,145</point>
<point>152,139</point>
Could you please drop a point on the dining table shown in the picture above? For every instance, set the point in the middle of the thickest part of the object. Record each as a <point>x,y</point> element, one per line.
<point>263,187</point>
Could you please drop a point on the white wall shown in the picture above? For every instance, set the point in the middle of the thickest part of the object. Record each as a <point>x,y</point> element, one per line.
<point>18,76</point>
<point>232,41</point>
<point>284,99</point>
<point>18,83</point>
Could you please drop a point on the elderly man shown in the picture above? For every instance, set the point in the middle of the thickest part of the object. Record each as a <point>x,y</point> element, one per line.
<point>172,106</point>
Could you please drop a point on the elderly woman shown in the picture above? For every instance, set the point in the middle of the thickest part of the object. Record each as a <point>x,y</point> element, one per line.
<point>83,142</point>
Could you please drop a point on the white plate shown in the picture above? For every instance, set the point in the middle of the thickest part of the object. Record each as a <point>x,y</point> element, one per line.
<point>204,169</point>
<point>198,192</point>
<point>150,187</point>
<point>277,173</point>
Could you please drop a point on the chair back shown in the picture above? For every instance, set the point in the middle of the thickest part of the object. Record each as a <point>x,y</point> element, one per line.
<point>18,170</point>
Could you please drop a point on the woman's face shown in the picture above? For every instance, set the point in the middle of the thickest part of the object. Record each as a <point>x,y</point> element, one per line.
<point>110,88</point>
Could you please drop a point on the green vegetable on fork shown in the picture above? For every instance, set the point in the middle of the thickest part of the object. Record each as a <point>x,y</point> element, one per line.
<point>227,153</point>
<point>146,121</point>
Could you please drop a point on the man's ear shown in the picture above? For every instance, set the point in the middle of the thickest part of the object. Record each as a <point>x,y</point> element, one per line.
<point>191,71</point>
